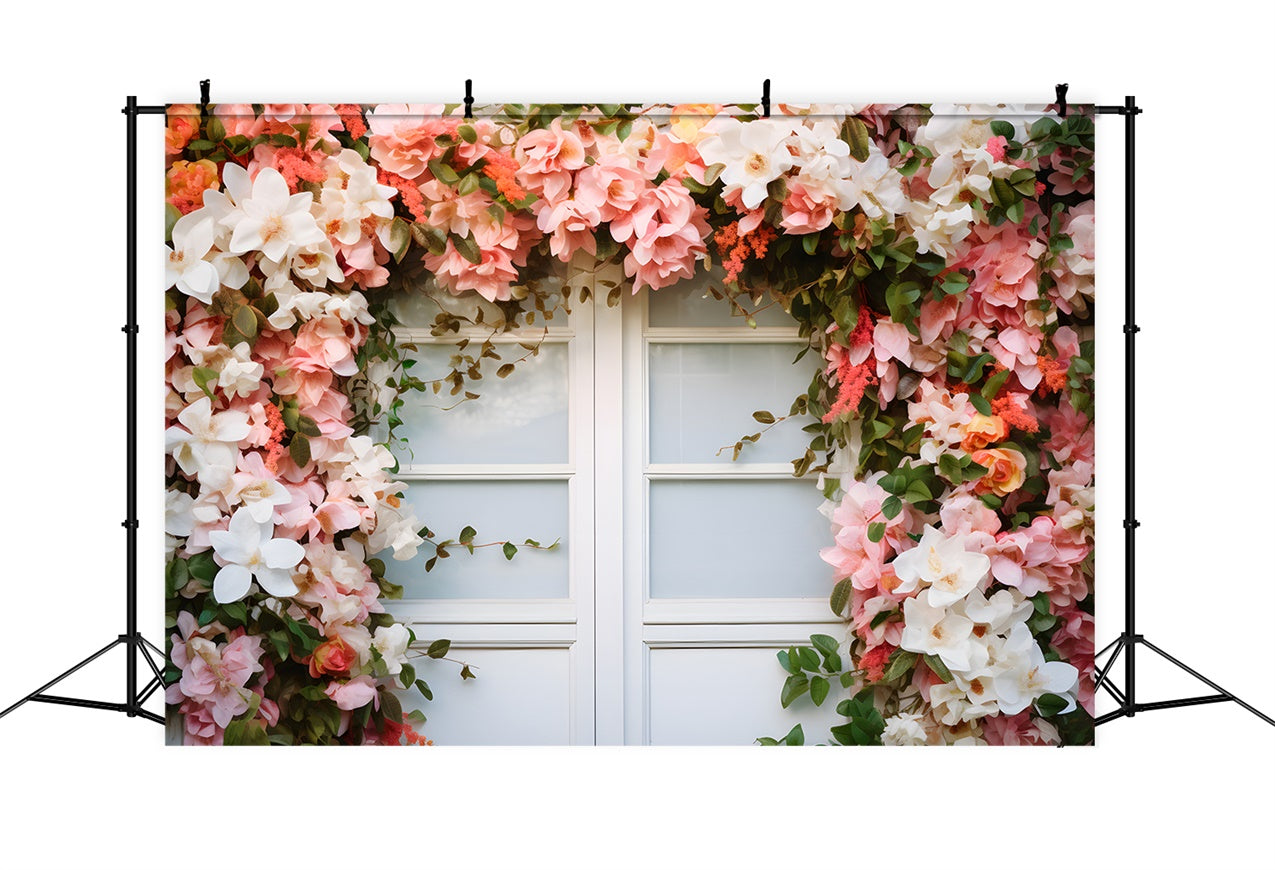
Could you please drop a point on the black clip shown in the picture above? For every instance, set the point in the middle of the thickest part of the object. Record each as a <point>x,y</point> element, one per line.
<point>1060,97</point>
<point>765,98</point>
<point>205,86</point>
<point>469,98</point>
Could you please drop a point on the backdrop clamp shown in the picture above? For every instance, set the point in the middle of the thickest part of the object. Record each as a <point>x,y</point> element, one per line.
<point>469,98</point>
<point>765,98</point>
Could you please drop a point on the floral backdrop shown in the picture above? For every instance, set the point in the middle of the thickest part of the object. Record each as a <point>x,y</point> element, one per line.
<point>938,258</point>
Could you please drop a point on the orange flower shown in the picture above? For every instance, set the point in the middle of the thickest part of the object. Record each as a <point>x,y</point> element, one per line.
<point>187,181</point>
<point>333,657</point>
<point>183,125</point>
<point>982,432</point>
<point>1006,470</point>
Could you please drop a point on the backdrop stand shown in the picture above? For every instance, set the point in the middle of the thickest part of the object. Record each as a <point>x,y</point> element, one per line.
<point>1129,640</point>
<point>136,647</point>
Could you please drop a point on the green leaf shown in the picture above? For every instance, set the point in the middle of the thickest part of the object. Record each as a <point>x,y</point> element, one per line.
<point>795,737</point>
<point>764,417</point>
<point>400,238</point>
<point>468,133</point>
<point>423,688</point>
<point>203,377</point>
<point>901,661</point>
<point>940,670</point>
<point>826,644</point>
<point>891,506</point>
<point>505,370</point>
<point>407,676</point>
<point>467,247</point>
<point>1050,704</point>
<point>245,320</point>
<point>840,596</point>
<point>809,659</point>
<point>307,427</point>
<point>994,384</point>
<point>468,534</point>
<point>855,134</point>
<point>299,450</point>
<point>787,663</point>
<point>509,550</point>
<point>876,531</point>
<point>467,674</point>
<point>818,690</point>
<point>438,649</point>
<point>810,242</point>
<point>1003,128</point>
<point>794,687</point>
<point>246,732</point>
<point>443,172</point>
<point>917,492</point>
<point>980,404</point>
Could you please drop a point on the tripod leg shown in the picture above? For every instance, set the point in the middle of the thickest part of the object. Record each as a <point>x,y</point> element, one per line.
<point>1203,679</point>
<point>1102,676</point>
<point>62,676</point>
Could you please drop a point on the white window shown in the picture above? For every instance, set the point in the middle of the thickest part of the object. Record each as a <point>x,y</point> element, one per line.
<point>680,572</point>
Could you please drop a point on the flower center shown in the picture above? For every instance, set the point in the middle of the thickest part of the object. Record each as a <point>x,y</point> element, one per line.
<point>756,163</point>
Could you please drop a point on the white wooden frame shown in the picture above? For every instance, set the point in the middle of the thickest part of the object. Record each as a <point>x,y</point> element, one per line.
<point>537,623</point>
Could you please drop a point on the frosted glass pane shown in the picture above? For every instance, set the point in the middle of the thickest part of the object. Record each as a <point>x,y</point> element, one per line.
<point>518,419</point>
<point>703,396</point>
<point>737,539</point>
<point>684,304</point>
<point>499,510</point>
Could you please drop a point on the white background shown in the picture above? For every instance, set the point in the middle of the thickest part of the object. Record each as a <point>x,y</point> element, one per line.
<point>1173,789</point>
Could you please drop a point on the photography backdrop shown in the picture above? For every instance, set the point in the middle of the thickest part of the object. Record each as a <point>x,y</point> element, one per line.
<point>931,264</point>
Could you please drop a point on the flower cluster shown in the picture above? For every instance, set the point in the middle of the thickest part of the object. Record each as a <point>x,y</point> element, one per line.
<point>940,259</point>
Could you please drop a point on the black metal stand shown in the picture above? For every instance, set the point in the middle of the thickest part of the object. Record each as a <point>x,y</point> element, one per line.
<point>136,647</point>
<point>1129,640</point>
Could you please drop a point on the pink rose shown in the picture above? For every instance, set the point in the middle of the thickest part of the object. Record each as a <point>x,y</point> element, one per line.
<point>352,694</point>
<point>403,136</point>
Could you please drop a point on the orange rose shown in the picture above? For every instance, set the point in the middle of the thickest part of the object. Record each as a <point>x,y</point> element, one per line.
<point>1005,470</point>
<point>183,125</point>
<point>187,181</point>
<point>982,432</point>
<point>333,657</point>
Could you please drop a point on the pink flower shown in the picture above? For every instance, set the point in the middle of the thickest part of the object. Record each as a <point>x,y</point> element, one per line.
<point>609,187</point>
<point>570,224</point>
<point>1073,639</point>
<point>996,147</point>
<point>327,342</point>
<point>665,233</point>
<point>854,554</point>
<point>503,245</point>
<point>807,209</point>
<point>403,136</point>
<point>1018,730</point>
<point>213,676</point>
<point>352,694</point>
<point>547,157</point>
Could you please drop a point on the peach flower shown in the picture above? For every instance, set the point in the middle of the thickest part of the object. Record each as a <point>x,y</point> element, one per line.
<point>1005,470</point>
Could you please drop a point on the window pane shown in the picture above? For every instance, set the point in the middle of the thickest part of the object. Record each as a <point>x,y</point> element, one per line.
<point>684,304</point>
<point>737,539</point>
<point>499,510</point>
<point>703,397</point>
<point>518,419</point>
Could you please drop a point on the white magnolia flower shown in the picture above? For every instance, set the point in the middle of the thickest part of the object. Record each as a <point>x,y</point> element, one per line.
<point>391,642</point>
<point>249,552</point>
<point>1026,675</point>
<point>933,630</point>
<point>943,564</point>
<point>272,221</point>
<point>208,447</point>
<point>996,615</point>
<point>904,729</point>
<point>752,154</point>
<point>186,269</point>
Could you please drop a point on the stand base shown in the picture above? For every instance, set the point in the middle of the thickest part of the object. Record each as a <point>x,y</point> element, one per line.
<point>135,644</point>
<point>1129,706</point>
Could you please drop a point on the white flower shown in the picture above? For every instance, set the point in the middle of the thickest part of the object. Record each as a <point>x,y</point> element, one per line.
<point>208,446</point>
<point>396,527</point>
<point>933,630</point>
<point>752,154</point>
<point>1026,675</point>
<point>350,196</point>
<point>249,552</point>
<point>239,375</point>
<point>904,729</point>
<point>391,642</point>
<point>258,495</point>
<point>186,269</point>
<point>943,564</point>
<point>272,221</point>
